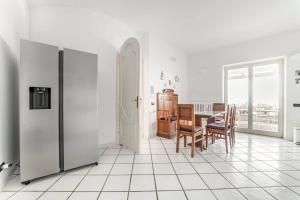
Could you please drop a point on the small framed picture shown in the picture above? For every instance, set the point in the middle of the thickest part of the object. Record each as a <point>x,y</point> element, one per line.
<point>297,76</point>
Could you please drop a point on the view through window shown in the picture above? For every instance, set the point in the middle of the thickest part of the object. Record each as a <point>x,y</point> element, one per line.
<point>256,90</point>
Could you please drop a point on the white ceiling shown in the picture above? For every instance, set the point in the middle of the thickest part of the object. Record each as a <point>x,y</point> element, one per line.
<point>198,25</point>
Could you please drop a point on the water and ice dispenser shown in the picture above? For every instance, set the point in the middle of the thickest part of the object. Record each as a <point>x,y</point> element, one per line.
<point>39,98</point>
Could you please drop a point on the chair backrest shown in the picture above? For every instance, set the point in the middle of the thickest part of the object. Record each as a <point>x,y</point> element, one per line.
<point>186,117</point>
<point>228,115</point>
<point>218,106</point>
<point>232,118</point>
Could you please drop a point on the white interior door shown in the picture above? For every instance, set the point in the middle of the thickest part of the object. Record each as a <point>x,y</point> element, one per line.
<point>129,100</point>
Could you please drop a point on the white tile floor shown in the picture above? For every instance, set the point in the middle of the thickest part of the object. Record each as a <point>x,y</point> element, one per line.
<point>256,168</point>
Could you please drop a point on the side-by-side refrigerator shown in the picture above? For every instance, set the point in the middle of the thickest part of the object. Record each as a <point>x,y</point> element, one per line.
<point>58,110</point>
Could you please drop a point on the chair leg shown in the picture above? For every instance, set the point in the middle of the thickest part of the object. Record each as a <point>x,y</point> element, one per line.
<point>193,146</point>
<point>178,141</point>
<point>226,142</point>
<point>184,137</point>
<point>206,138</point>
<point>233,136</point>
<point>201,142</point>
<point>230,139</point>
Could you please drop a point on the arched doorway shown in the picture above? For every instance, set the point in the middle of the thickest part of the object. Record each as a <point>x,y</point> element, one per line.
<point>129,94</point>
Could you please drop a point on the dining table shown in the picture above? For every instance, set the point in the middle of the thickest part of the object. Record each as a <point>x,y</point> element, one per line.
<point>200,116</point>
<point>204,117</point>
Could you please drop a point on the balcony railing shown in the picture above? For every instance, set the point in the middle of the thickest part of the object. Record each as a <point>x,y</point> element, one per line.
<point>264,117</point>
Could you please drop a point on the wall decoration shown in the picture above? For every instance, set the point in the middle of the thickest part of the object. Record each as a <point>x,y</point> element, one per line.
<point>162,75</point>
<point>165,84</point>
<point>151,89</point>
<point>297,76</point>
<point>170,83</point>
<point>176,78</point>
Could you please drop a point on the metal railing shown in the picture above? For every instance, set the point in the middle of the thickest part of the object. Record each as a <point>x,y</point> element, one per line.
<point>203,107</point>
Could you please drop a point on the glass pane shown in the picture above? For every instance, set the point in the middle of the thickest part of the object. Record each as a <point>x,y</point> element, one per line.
<point>266,97</point>
<point>238,94</point>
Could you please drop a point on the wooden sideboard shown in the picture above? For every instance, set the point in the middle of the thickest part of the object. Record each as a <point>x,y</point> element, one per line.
<point>167,103</point>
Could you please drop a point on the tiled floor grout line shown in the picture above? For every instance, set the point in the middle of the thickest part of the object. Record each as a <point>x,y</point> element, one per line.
<point>287,187</point>
<point>216,151</point>
<point>229,181</point>
<point>176,173</point>
<point>15,192</point>
<point>85,175</point>
<point>47,190</point>
<point>263,188</point>
<point>238,189</point>
<point>238,171</point>
<point>156,192</point>
<point>117,155</point>
<point>51,186</point>
<point>282,171</point>
<point>199,175</point>
<point>254,182</point>
<point>43,192</point>
<point>130,177</point>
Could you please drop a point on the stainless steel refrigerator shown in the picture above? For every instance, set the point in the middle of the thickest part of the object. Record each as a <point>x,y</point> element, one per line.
<point>58,110</point>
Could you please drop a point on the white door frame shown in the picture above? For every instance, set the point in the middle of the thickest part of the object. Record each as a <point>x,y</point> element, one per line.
<point>249,66</point>
<point>134,42</point>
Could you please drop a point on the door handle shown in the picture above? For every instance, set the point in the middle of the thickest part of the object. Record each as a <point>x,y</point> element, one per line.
<point>137,101</point>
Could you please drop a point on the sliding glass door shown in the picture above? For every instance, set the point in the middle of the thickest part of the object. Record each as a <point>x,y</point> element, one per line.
<point>237,90</point>
<point>257,91</point>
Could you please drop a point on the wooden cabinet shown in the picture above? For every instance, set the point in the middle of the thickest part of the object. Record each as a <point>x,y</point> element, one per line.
<point>167,103</point>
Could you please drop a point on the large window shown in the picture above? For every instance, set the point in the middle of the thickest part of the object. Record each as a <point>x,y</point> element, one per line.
<point>257,90</point>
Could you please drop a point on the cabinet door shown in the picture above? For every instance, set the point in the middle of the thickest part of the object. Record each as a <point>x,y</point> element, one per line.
<point>160,101</point>
<point>175,105</point>
<point>168,104</point>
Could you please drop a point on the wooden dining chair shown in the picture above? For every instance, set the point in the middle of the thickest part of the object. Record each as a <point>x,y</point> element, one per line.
<point>210,135</point>
<point>186,127</point>
<point>232,125</point>
<point>218,107</point>
<point>220,129</point>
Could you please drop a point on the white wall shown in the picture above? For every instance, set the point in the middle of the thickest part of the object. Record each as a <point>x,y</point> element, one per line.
<point>89,31</point>
<point>13,26</point>
<point>206,70</point>
<point>172,61</point>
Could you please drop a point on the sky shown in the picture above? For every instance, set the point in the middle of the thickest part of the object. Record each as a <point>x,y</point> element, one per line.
<point>265,89</point>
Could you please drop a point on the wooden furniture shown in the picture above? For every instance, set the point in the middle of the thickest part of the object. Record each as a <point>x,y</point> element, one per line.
<point>232,125</point>
<point>218,107</point>
<point>167,103</point>
<point>186,127</point>
<point>221,129</point>
<point>209,116</point>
